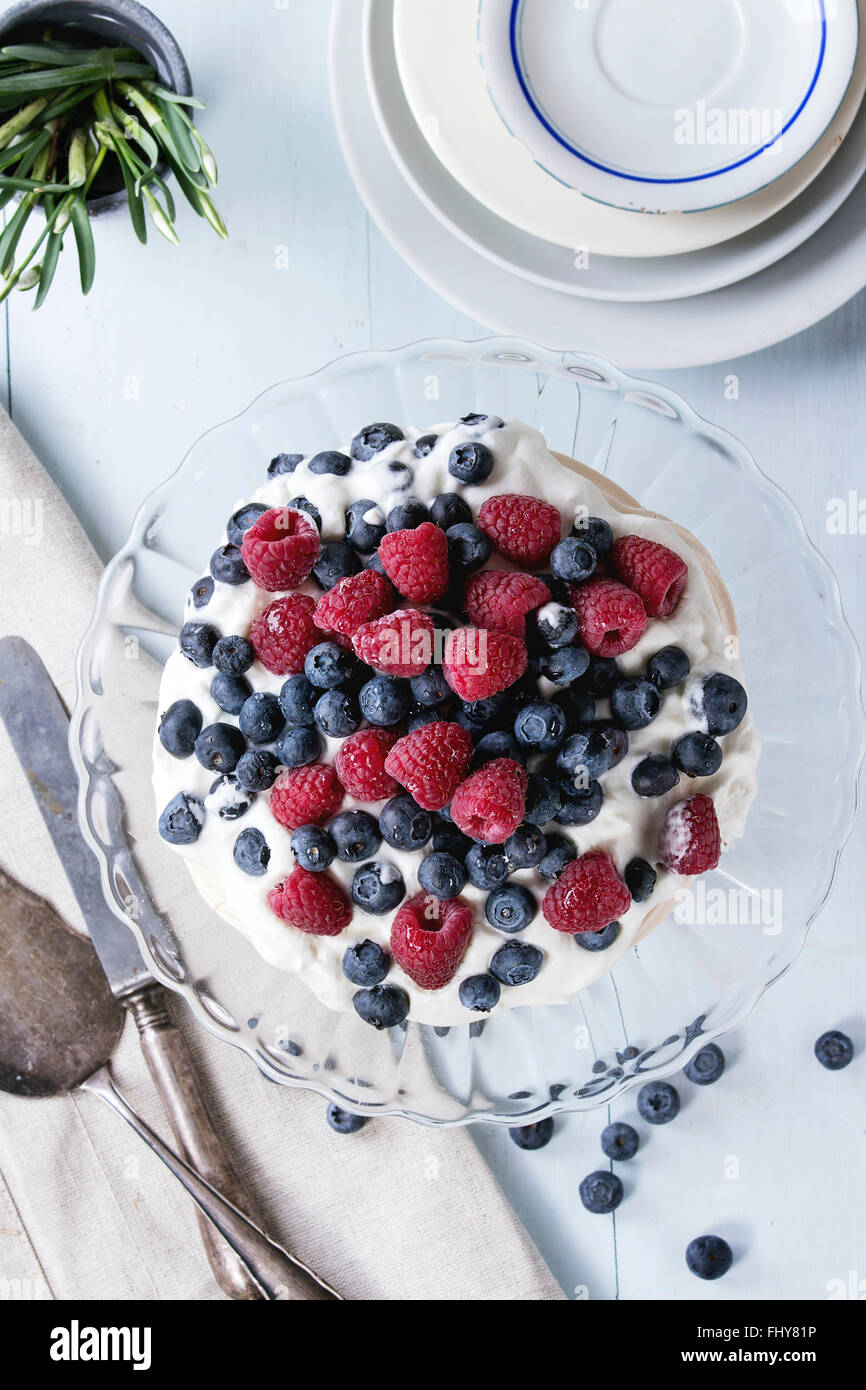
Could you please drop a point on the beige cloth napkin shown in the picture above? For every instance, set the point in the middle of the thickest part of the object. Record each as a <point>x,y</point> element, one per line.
<point>395,1212</point>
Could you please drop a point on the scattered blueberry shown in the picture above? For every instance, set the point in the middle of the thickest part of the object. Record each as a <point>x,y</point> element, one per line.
<point>313,848</point>
<point>486,866</point>
<point>543,800</point>
<point>378,887</point>
<point>337,713</point>
<point>365,526</point>
<point>587,752</point>
<point>526,848</point>
<point>602,675</point>
<point>366,964</point>
<point>182,819</point>
<point>658,1103</point>
<point>284,463</point>
<point>480,993</point>
<point>241,521</point>
<point>356,836</point>
<point>516,963</point>
<point>510,908</point>
<point>328,665</point>
<point>635,704</point>
<point>706,1066</point>
<point>303,504</point>
<point>343,1121</point>
<point>468,548</point>
<point>384,701</point>
<point>257,770</point>
<point>402,476</point>
<point>556,625</point>
<point>232,656</point>
<point>709,1257</point>
<point>720,701</point>
<point>598,940</point>
<point>450,509</point>
<point>601,1193</point>
<point>330,461</point>
<point>834,1050</point>
<point>430,688</point>
<point>179,728</point>
<point>532,1137</point>
<point>442,875</point>
<point>450,840</point>
<point>617,740</point>
<point>479,715</point>
<point>619,1141</point>
<point>372,439</point>
<point>474,419</point>
<point>201,592</point>
<point>540,726</point>
<point>404,825</point>
<point>560,853</point>
<point>596,533</point>
<point>654,775</point>
<point>407,515</point>
<point>230,692</point>
<point>336,561</point>
<point>383,1006</point>
<point>573,561</point>
<point>640,879</point>
<point>697,755</point>
<point>261,720</point>
<point>299,747</point>
<point>668,668</point>
<point>471,463</point>
<point>298,700</point>
<point>579,807</point>
<point>228,799</point>
<point>564,665</point>
<point>577,705</point>
<point>196,642</point>
<point>425,445</point>
<point>227,565</point>
<point>251,852</point>
<point>498,744</point>
<point>219,747</point>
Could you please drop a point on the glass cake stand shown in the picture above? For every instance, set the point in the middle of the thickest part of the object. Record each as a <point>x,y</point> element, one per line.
<point>690,980</point>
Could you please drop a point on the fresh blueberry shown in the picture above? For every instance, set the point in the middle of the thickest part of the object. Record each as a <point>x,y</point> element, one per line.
<point>378,887</point>
<point>596,533</point>
<point>197,641</point>
<point>404,825</point>
<point>430,688</point>
<point>201,592</point>
<point>619,1141</point>
<point>598,940</point>
<point>328,665</point>
<point>284,463</point>
<point>365,526</point>
<point>384,701</point>
<point>449,840</point>
<point>182,819</point>
<point>556,625</point>
<point>402,476</point>
<point>706,1066</point>
<point>330,461</point>
<point>564,665</point>
<point>442,875</point>
<point>526,848</point>
<point>560,853</point>
<point>487,866</point>
<point>479,715</point>
<point>298,700</point>
<point>510,908</point>
<point>313,848</point>
<point>501,743</point>
<point>230,692</point>
<point>640,879</point>
<point>516,963</point>
<point>601,676</point>
<point>473,420</point>
<point>303,504</point>
<point>697,755</point>
<point>471,463</point>
<point>635,704</point>
<point>654,775</point>
<point>668,668</point>
<point>219,747</point>
<point>227,565</point>
<point>299,746</point>
<point>336,561</point>
<point>617,740</point>
<point>241,521</point>
<point>251,853</point>
<point>587,752</point>
<point>658,1103</point>
<point>480,993</point>
<point>407,515</point>
<point>834,1050</point>
<point>532,1137</point>
<point>257,770</point>
<point>580,806</point>
<point>709,1257</point>
<point>365,964</point>
<point>720,701</point>
<point>578,706</point>
<point>261,720</point>
<point>540,726</point>
<point>543,800</point>
<point>375,563</point>
<point>383,1006</point>
<point>425,445</point>
<point>449,509</point>
<point>356,836</point>
<point>573,561</point>
<point>179,728</point>
<point>337,713</point>
<point>468,548</point>
<point>228,799</point>
<point>372,439</point>
<point>232,656</point>
<point>343,1121</point>
<point>601,1193</point>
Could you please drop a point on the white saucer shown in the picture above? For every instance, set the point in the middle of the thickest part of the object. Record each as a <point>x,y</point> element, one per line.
<point>789,296</point>
<point>598,277</point>
<point>444,84</point>
<point>668,105</point>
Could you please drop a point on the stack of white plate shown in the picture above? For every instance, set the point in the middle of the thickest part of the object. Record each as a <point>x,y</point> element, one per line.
<point>664,182</point>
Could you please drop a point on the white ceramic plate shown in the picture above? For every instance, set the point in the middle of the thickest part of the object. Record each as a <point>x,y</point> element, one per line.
<point>668,105</point>
<point>436,47</point>
<point>595,276</point>
<point>789,296</point>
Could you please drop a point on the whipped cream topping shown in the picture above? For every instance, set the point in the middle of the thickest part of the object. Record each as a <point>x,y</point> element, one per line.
<point>627,826</point>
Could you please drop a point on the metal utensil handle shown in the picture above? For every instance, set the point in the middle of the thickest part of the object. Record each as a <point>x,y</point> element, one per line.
<point>171,1067</point>
<point>279,1276</point>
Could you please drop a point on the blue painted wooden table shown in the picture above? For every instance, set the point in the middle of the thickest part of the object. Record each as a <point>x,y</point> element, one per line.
<point>111,391</point>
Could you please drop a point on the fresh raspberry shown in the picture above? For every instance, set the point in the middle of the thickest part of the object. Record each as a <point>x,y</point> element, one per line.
<point>490,804</point>
<point>588,895</point>
<point>306,795</point>
<point>280,549</point>
<point>691,838</point>
<point>284,633</point>
<point>400,644</point>
<point>357,599</point>
<point>653,571</point>
<point>501,599</point>
<point>429,939</point>
<point>417,562</point>
<point>313,903</point>
<point>612,618</point>
<point>478,663</point>
<point>360,764</point>
<point>522,528</point>
<point>431,763</point>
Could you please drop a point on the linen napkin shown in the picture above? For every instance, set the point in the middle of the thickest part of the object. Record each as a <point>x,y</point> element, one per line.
<point>397,1211</point>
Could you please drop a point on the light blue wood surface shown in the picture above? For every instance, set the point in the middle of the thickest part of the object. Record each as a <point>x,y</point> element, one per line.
<point>111,392</point>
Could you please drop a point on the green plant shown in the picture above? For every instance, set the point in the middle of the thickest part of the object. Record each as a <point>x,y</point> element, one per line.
<point>77,116</point>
